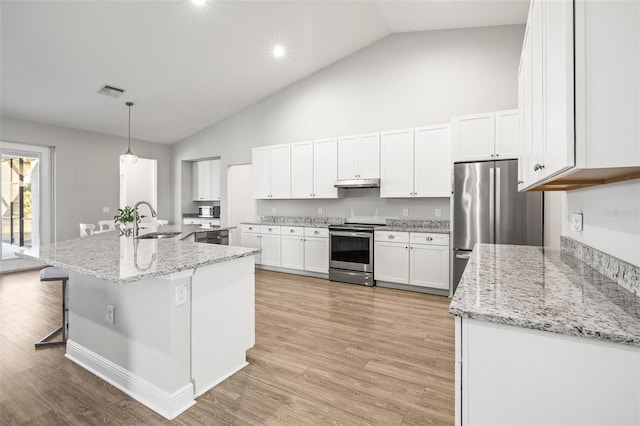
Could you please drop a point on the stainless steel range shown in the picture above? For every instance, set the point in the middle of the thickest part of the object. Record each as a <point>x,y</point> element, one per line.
<point>351,253</point>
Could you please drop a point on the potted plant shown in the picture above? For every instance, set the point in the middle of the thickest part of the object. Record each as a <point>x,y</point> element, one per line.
<point>125,218</point>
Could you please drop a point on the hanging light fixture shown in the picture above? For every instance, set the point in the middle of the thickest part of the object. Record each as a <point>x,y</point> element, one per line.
<point>129,157</point>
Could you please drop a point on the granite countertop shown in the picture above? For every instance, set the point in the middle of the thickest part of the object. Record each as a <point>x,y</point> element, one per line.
<point>301,224</point>
<point>114,258</point>
<point>546,290</point>
<point>414,225</point>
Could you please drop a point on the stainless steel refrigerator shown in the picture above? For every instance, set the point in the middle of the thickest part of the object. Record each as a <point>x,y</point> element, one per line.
<point>487,208</point>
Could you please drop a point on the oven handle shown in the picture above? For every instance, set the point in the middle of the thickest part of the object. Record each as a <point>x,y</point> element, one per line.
<point>350,234</point>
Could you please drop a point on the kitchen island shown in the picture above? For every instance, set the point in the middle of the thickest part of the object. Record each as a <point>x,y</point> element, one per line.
<point>164,320</point>
<point>542,338</point>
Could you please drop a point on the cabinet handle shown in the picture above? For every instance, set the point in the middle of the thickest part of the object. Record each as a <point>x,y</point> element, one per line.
<point>406,248</point>
<point>316,232</point>
<point>269,229</point>
<point>250,228</point>
<point>391,237</point>
<point>429,239</point>
<point>497,155</point>
<point>520,182</point>
<point>537,167</point>
<point>292,231</point>
<point>492,155</point>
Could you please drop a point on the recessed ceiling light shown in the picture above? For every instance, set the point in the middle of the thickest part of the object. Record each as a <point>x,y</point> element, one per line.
<point>278,51</point>
<point>199,2</point>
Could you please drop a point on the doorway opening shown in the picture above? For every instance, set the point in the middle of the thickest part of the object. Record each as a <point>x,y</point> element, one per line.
<point>241,206</point>
<point>139,182</point>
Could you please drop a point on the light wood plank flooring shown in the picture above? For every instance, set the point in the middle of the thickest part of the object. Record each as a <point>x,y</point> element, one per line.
<point>326,353</point>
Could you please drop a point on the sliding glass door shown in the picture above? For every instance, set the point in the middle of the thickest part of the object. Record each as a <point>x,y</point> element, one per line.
<point>26,189</point>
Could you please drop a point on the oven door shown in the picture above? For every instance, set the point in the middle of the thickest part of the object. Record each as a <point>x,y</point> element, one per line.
<point>351,250</point>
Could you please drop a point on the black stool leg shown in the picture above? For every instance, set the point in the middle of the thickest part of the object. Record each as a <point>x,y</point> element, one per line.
<point>45,340</point>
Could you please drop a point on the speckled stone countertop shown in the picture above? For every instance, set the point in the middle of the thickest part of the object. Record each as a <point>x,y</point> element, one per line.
<point>306,221</point>
<point>545,290</point>
<point>114,258</point>
<point>412,225</point>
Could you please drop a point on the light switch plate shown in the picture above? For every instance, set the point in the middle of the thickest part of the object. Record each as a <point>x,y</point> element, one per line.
<point>181,294</point>
<point>575,222</point>
<point>110,314</point>
<point>405,212</point>
<point>105,210</point>
<point>438,212</point>
<point>319,210</point>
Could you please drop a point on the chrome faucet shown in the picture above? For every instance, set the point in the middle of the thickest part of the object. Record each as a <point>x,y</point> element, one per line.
<point>135,216</point>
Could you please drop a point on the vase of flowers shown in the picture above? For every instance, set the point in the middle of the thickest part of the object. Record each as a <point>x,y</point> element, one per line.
<point>125,218</point>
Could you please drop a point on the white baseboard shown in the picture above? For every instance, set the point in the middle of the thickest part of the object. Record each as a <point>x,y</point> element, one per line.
<point>168,405</point>
<point>219,380</point>
<point>293,271</point>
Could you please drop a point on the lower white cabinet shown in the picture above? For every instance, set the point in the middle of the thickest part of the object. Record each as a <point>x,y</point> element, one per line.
<point>290,247</point>
<point>293,247</point>
<point>200,221</point>
<point>414,258</point>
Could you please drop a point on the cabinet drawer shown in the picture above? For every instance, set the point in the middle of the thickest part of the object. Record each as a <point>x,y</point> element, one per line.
<point>430,239</point>
<point>316,232</point>
<point>292,230</point>
<point>270,229</point>
<point>250,229</point>
<point>390,236</point>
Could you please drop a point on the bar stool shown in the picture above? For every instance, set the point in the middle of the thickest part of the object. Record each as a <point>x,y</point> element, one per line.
<point>56,274</point>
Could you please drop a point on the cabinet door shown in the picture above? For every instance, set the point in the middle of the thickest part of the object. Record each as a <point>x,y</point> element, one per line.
<point>302,170</point>
<point>271,254</point>
<point>215,179</point>
<point>369,155</point>
<point>204,180</point>
<point>396,164</point>
<point>293,252</point>
<point>507,135</point>
<point>261,165</point>
<point>391,262</point>
<point>432,176</point>
<point>252,241</point>
<point>316,255</point>
<point>429,266</point>
<point>281,171</point>
<point>348,158</point>
<point>537,88</point>
<point>195,181</point>
<point>525,104</point>
<point>325,168</point>
<point>473,137</point>
<point>558,87</point>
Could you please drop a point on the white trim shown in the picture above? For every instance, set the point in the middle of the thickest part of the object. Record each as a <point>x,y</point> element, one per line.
<point>219,380</point>
<point>168,405</point>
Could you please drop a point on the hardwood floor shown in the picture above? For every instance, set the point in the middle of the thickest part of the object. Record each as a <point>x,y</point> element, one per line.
<point>325,353</point>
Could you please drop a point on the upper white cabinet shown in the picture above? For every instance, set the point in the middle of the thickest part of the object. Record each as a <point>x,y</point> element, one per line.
<point>578,79</point>
<point>206,180</point>
<point>272,171</point>
<point>416,162</point>
<point>488,136</point>
<point>359,156</point>
<point>314,169</point>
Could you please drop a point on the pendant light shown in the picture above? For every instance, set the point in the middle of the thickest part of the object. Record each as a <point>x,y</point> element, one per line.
<point>129,157</point>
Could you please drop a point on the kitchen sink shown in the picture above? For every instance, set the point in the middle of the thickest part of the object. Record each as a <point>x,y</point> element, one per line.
<point>156,235</point>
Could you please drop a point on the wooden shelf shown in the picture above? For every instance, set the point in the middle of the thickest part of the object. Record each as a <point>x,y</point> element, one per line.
<point>589,177</point>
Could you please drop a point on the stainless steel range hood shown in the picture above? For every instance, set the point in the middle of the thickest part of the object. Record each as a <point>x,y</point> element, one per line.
<point>358,183</point>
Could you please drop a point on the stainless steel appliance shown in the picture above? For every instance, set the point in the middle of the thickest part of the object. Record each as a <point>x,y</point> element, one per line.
<point>487,208</point>
<point>358,183</point>
<point>205,211</point>
<point>351,253</point>
<point>216,211</point>
<point>215,236</point>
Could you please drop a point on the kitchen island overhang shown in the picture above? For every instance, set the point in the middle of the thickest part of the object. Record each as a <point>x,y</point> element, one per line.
<point>178,330</point>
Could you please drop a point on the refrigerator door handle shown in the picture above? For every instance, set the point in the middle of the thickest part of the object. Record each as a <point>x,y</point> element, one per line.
<point>498,206</point>
<point>463,256</point>
<point>491,204</point>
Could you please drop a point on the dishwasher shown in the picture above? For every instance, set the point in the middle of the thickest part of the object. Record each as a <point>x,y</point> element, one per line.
<point>219,236</point>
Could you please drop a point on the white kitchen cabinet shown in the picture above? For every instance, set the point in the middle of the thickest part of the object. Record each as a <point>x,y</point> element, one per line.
<point>302,170</point>
<point>416,163</point>
<point>292,247</point>
<point>511,376</point>
<point>359,156</point>
<point>429,260</point>
<point>314,169</point>
<point>391,257</point>
<point>487,136</point>
<point>250,237</point>
<point>201,221</point>
<point>583,129</point>
<point>206,180</point>
<point>272,171</point>
<point>316,250</point>
<point>270,243</point>
<point>432,161</point>
<point>396,171</point>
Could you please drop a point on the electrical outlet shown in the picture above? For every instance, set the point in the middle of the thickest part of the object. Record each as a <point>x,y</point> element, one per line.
<point>405,212</point>
<point>273,210</point>
<point>319,210</point>
<point>110,314</point>
<point>575,223</point>
<point>438,212</point>
<point>105,210</point>
<point>181,294</point>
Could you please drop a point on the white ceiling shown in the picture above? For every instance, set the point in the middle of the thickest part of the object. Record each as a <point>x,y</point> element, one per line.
<point>186,67</point>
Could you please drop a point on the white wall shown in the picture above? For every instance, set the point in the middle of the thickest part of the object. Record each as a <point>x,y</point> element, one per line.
<point>138,182</point>
<point>404,80</point>
<point>87,170</point>
<point>611,219</point>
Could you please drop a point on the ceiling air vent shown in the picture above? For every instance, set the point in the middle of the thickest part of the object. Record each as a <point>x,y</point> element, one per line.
<point>111,91</point>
